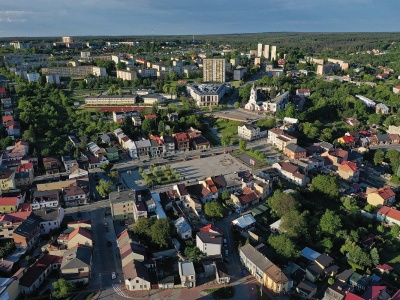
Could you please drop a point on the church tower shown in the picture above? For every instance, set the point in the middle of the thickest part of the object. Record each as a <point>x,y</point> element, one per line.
<point>253,94</point>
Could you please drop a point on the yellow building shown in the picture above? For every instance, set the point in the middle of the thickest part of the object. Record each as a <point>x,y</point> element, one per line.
<point>7,181</point>
<point>379,197</point>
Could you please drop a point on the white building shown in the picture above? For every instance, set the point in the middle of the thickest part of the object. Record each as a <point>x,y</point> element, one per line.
<point>33,77</point>
<point>51,218</point>
<point>126,75</point>
<point>266,51</point>
<point>207,94</point>
<point>249,132</point>
<point>187,274</point>
<point>209,243</point>
<point>273,105</point>
<point>153,98</point>
<point>273,53</point>
<point>259,50</point>
<point>183,228</point>
<point>368,102</point>
<point>53,78</point>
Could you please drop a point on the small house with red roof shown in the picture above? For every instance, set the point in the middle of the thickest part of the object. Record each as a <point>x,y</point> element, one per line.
<point>152,117</point>
<point>245,198</point>
<point>211,228</point>
<point>385,268</point>
<point>379,197</point>
<point>336,156</point>
<point>347,140</point>
<point>303,92</point>
<point>3,92</point>
<point>376,292</point>
<point>38,272</point>
<point>388,215</point>
<point>7,119</point>
<point>210,185</point>
<point>80,236</point>
<point>10,204</point>
<point>349,170</point>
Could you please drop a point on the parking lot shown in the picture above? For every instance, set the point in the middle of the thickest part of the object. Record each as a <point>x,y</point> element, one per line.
<point>240,115</point>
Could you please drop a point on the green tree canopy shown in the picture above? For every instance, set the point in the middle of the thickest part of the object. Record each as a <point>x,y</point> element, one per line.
<point>161,232</point>
<point>104,187</point>
<point>326,184</point>
<point>62,288</point>
<point>294,224</point>
<point>283,245</point>
<point>330,222</point>
<point>142,226</point>
<point>283,203</point>
<point>214,209</point>
<point>379,157</point>
<point>193,253</point>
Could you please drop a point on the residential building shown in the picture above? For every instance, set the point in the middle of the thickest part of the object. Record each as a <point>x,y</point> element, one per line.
<point>209,243</point>
<point>143,147</point>
<point>214,70</point>
<point>132,251</point>
<point>306,289</point>
<point>33,77</point>
<point>112,154</point>
<point>273,53</point>
<point>181,141</point>
<point>169,144</point>
<point>337,291</point>
<point>7,181</point>
<point>75,71</point>
<point>221,273</point>
<point>76,264</point>
<point>79,236</point>
<point>187,274</point>
<point>38,272</point>
<point>380,197</point>
<point>153,98</point>
<point>127,75</point>
<point>122,204</point>
<point>266,51</point>
<point>51,165</point>
<point>336,156</point>
<point>382,109</point>
<point>207,94</point>
<point>197,140</point>
<point>245,198</point>
<point>264,271</point>
<point>294,151</point>
<point>244,222</point>
<point>388,215</point>
<point>249,132</point>
<point>26,235</point>
<point>349,171</point>
<point>136,276</point>
<point>291,173</point>
<point>11,204</point>
<point>74,196</point>
<point>111,100</point>
<point>140,209</point>
<point>50,219</point>
<point>76,173</point>
<point>9,286</point>
<point>239,73</point>
<point>183,228</point>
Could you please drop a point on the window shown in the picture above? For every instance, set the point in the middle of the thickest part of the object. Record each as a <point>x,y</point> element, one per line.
<point>137,280</point>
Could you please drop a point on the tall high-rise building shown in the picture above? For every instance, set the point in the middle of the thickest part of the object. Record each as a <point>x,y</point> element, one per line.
<point>214,70</point>
<point>273,52</point>
<point>266,51</point>
<point>259,50</point>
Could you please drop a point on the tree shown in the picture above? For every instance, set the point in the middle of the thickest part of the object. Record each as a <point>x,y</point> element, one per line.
<point>121,66</point>
<point>283,245</point>
<point>104,187</point>
<point>142,227</point>
<point>294,224</point>
<point>374,256</point>
<point>161,127</point>
<point>193,253</point>
<point>62,288</point>
<point>330,222</point>
<point>236,105</point>
<point>147,126</point>
<point>114,175</point>
<point>161,232</point>
<point>214,209</point>
<point>379,157</point>
<point>107,167</point>
<point>326,184</point>
<point>242,145</point>
<point>6,142</point>
<point>282,203</point>
<point>395,230</point>
<point>225,195</point>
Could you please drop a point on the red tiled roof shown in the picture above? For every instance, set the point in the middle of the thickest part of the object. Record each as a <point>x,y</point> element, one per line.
<point>181,135</point>
<point>9,201</point>
<point>385,267</point>
<point>211,228</point>
<point>17,217</point>
<point>24,207</point>
<point>211,186</point>
<point>7,119</point>
<point>122,235</point>
<point>385,193</point>
<point>288,167</point>
<point>396,296</point>
<point>151,116</point>
<point>3,90</point>
<point>351,296</point>
<point>373,292</point>
<point>82,231</point>
<point>35,271</point>
<point>80,222</point>
<point>347,139</point>
<point>390,212</point>
<point>351,165</point>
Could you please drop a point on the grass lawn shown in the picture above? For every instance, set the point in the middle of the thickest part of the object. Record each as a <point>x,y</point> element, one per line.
<point>222,292</point>
<point>227,127</point>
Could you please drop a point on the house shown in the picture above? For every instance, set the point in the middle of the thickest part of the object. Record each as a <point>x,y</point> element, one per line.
<point>322,264</point>
<point>291,173</point>
<point>74,196</point>
<point>209,243</point>
<point>187,274</point>
<point>337,291</point>
<point>123,239</point>
<point>76,173</point>
<point>249,132</point>
<point>140,208</point>
<point>360,282</point>
<point>383,139</point>
<point>183,228</point>
<point>76,264</point>
<point>244,222</point>
<point>345,275</point>
<point>303,92</point>
<point>136,276</point>
<point>143,147</point>
<point>199,193</point>
<point>294,152</point>
<point>221,273</point>
<point>382,109</point>
<point>347,140</point>
<point>3,92</point>
<point>122,205</point>
<point>209,184</point>
<point>169,144</point>
<point>51,165</point>
<point>181,141</point>
<point>306,289</point>
<point>396,89</point>
<point>336,156</point>
<point>279,139</point>
<point>9,286</point>
<point>388,215</point>
<point>11,204</point>
<point>349,171</point>
<point>385,268</point>
<point>27,234</point>
<point>6,102</point>
<point>105,138</point>
<point>199,142</point>
<point>309,254</point>
<point>245,198</point>
<point>376,292</point>
<point>38,272</point>
<point>7,181</point>
<point>382,196</point>
<point>264,270</point>
<point>132,251</point>
<point>43,199</point>
<point>51,218</point>
<point>79,236</point>
<point>112,154</point>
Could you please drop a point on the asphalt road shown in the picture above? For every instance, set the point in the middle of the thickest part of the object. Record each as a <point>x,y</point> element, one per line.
<point>385,147</point>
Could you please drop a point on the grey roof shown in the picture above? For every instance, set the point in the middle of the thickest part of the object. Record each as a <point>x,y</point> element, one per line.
<point>306,286</point>
<point>27,226</point>
<point>186,268</point>
<point>310,254</point>
<point>345,275</point>
<point>122,196</point>
<point>383,137</point>
<point>324,260</point>
<point>182,225</point>
<point>78,257</point>
<point>256,257</point>
<point>111,149</point>
<point>143,144</point>
<point>47,214</point>
<point>295,148</point>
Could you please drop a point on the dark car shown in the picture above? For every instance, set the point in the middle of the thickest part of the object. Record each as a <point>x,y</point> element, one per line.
<point>109,244</point>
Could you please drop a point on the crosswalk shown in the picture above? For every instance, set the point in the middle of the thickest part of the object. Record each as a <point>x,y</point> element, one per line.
<point>118,290</point>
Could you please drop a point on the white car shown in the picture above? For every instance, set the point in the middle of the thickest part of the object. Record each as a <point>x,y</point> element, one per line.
<point>113,276</point>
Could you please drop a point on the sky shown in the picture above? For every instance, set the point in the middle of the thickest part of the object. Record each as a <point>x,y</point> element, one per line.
<point>40,18</point>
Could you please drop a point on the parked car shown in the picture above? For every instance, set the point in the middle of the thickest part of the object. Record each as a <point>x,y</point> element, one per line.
<point>113,276</point>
